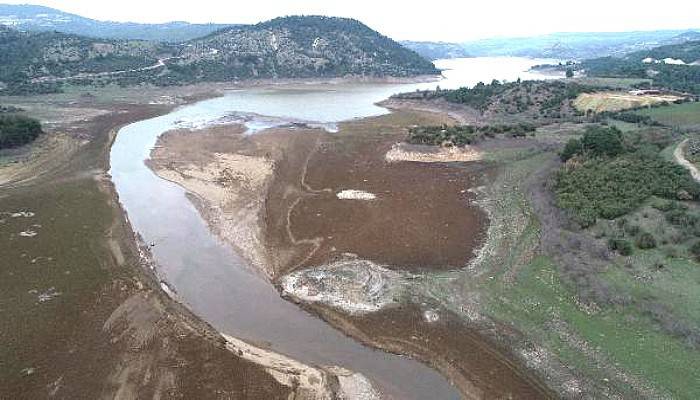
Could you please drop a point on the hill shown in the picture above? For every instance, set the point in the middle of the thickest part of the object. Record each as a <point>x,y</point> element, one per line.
<point>35,62</point>
<point>33,18</point>
<point>290,47</point>
<point>298,47</point>
<point>674,67</point>
<point>436,50</point>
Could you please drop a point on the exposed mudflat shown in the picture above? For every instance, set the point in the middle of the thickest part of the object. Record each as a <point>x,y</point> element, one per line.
<point>475,365</point>
<point>77,271</point>
<point>344,230</point>
<point>420,217</point>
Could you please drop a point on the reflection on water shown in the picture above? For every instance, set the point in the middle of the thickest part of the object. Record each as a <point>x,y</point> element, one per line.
<point>213,281</point>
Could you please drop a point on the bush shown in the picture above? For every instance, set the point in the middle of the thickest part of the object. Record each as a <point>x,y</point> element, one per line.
<point>602,141</point>
<point>695,250</point>
<point>572,148</point>
<point>610,188</point>
<point>596,142</point>
<point>646,241</point>
<point>17,130</point>
<point>622,246</point>
<point>465,134</point>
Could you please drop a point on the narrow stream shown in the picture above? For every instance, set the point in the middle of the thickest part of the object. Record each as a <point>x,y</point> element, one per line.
<point>216,283</point>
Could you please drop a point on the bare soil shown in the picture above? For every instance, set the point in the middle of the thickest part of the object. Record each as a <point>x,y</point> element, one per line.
<point>83,317</point>
<point>421,218</point>
<point>479,368</point>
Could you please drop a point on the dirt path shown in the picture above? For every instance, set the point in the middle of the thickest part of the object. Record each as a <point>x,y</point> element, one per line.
<point>681,160</point>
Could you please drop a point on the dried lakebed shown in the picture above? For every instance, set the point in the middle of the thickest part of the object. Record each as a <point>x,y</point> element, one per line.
<point>355,251</point>
<point>223,284</point>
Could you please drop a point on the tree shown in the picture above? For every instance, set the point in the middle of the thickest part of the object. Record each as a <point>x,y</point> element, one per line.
<point>622,246</point>
<point>695,250</point>
<point>569,73</point>
<point>602,141</point>
<point>16,130</point>
<point>646,241</point>
<point>573,147</point>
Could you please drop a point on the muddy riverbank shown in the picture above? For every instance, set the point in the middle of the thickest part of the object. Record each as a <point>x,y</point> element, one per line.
<point>113,333</point>
<point>307,219</point>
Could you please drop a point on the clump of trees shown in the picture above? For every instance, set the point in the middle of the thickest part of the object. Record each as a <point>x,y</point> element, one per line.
<point>18,130</point>
<point>596,142</point>
<point>443,135</point>
<point>611,178</point>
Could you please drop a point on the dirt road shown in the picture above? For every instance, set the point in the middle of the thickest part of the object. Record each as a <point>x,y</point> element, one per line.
<point>680,159</point>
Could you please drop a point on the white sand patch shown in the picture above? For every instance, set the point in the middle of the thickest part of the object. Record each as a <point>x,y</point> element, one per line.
<point>46,295</point>
<point>431,154</point>
<point>308,382</point>
<point>352,194</point>
<point>354,386</point>
<point>166,288</point>
<point>673,61</point>
<point>431,316</point>
<point>21,214</point>
<point>230,192</point>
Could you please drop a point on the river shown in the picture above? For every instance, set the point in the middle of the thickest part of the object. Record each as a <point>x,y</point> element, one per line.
<point>215,283</point>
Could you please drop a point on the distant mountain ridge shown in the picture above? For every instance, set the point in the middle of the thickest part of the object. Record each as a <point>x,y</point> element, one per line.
<point>437,50</point>
<point>34,18</point>
<point>578,45</point>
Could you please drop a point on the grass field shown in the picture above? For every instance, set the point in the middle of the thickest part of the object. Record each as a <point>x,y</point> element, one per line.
<point>615,83</point>
<point>617,101</point>
<point>684,116</point>
<point>618,343</point>
<point>618,349</point>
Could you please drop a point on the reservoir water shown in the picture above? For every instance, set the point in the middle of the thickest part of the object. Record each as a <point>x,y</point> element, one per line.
<point>214,282</point>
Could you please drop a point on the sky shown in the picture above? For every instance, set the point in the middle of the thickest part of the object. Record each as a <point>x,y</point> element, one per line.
<point>413,20</point>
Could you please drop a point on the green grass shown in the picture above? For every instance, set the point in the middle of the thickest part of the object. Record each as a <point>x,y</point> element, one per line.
<point>615,83</point>
<point>624,340</point>
<point>623,336</point>
<point>684,116</point>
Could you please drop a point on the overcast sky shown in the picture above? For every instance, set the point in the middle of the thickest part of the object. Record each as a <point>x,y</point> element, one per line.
<point>409,19</point>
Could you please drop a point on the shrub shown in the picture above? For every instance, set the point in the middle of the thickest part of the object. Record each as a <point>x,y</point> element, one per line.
<point>646,241</point>
<point>602,141</point>
<point>695,250</point>
<point>610,188</point>
<point>572,148</point>
<point>622,246</point>
<point>17,130</point>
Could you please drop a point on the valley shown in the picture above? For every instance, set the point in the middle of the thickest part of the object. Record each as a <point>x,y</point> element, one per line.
<point>305,208</point>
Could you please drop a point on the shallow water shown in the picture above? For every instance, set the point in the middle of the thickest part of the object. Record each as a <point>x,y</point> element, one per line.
<point>216,283</point>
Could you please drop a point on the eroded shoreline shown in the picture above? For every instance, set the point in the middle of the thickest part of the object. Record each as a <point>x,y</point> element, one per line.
<point>374,292</point>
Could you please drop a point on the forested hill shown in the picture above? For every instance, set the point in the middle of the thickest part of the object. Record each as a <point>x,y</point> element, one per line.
<point>32,18</point>
<point>675,67</point>
<point>688,52</point>
<point>302,46</point>
<point>33,62</point>
<point>290,47</point>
